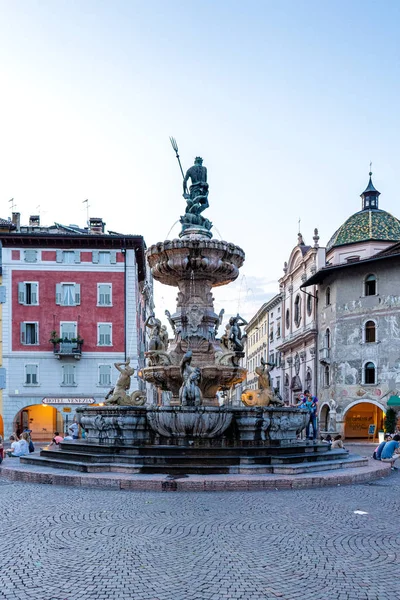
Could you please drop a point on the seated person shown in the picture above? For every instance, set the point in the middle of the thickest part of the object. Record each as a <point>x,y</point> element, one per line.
<point>391,452</point>
<point>337,442</point>
<point>56,439</point>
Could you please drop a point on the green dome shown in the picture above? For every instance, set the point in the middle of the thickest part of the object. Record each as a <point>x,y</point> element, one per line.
<point>364,226</point>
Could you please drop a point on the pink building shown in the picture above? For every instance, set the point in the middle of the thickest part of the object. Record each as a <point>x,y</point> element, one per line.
<point>76,301</point>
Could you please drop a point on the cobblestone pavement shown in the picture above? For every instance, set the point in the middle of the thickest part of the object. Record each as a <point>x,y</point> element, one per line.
<point>61,543</point>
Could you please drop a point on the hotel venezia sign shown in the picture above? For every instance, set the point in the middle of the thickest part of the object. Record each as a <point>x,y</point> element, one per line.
<point>68,400</point>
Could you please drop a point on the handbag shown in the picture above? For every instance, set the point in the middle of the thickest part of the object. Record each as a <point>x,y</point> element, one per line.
<point>31,447</point>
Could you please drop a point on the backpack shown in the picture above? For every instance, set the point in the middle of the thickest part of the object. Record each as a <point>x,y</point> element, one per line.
<point>31,446</point>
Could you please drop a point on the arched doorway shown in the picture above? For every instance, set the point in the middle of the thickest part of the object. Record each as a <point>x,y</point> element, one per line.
<point>360,417</point>
<point>43,420</point>
<point>324,418</point>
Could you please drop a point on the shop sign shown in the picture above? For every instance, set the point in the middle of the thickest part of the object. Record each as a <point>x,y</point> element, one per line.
<point>68,401</point>
<point>67,409</point>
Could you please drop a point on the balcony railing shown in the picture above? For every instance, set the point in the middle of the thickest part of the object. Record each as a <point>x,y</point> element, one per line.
<point>325,355</point>
<point>68,348</point>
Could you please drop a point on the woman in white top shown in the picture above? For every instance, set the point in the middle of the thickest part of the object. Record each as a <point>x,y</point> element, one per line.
<point>14,446</point>
<point>23,448</point>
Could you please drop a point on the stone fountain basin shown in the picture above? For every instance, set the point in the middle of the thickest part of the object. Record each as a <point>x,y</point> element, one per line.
<point>266,423</point>
<point>174,260</point>
<point>192,422</point>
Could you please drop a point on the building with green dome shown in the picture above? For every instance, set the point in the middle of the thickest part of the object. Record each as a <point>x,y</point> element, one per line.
<point>365,233</point>
<point>358,321</point>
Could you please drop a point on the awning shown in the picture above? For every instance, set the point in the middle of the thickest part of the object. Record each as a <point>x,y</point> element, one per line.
<point>394,401</point>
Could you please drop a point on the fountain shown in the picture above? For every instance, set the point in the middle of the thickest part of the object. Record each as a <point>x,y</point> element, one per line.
<point>192,434</point>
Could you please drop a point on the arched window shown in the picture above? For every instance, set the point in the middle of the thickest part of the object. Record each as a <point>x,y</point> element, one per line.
<point>328,338</point>
<point>370,332</point>
<point>297,311</point>
<point>309,305</point>
<point>308,378</point>
<point>370,285</point>
<point>369,373</point>
<point>328,296</point>
<point>287,319</point>
<point>327,376</point>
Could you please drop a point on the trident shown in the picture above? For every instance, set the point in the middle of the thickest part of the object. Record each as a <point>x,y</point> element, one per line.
<point>175,147</point>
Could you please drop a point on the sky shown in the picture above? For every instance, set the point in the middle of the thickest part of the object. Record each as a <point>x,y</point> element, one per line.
<point>287,102</point>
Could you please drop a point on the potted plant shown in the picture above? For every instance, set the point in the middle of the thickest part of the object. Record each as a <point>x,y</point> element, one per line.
<point>54,338</point>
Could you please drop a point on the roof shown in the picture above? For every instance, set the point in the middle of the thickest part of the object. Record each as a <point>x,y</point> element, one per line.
<point>364,226</point>
<point>370,187</point>
<point>319,276</point>
<point>6,223</point>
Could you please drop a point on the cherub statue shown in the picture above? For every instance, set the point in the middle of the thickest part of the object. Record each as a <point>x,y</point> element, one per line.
<point>119,395</point>
<point>219,322</point>
<point>225,338</point>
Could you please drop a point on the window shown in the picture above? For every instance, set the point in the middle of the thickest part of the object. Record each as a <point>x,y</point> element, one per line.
<point>104,294</point>
<point>278,360</point>
<point>31,374</point>
<point>68,375</point>
<point>278,385</point>
<point>104,258</point>
<point>68,330</point>
<point>30,256</point>
<point>28,292</point>
<point>287,319</point>
<point>104,334</point>
<point>68,294</point>
<point>327,338</point>
<point>271,335</point>
<point>29,333</point>
<point>272,358</point>
<point>278,330</point>
<point>328,296</point>
<point>104,374</point>
<point>68,257</point>
<point>370,285</point>
<point>327,376</point>
<point>370,332</point>
<point>369,373</point>
<point>309,305</point>
<point>297,311</point>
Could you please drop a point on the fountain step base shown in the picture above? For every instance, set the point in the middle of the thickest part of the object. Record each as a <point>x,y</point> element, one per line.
<point>189,461</point>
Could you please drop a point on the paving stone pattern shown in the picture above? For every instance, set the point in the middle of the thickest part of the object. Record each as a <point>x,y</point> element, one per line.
<point>65,543</point>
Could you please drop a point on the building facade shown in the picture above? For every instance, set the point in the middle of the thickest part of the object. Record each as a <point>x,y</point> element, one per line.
<point>74,306</point>
<point>299,320</point>
<point>359,321</point>
<point>274,311</point>
<point>256,345</point>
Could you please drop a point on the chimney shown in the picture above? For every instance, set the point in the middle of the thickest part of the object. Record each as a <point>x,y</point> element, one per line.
<point>34,221</point>
<point>96,225</point>
<point>16,219</point>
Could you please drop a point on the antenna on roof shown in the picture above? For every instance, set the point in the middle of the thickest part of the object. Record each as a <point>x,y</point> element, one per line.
<point>13,205</point>
<point>87,211</point>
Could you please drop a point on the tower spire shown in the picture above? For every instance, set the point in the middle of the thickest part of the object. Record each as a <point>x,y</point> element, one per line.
<point>370,196</point>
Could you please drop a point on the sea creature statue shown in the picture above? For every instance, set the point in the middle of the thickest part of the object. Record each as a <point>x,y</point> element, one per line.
<point>190,393</point>
<point>118,395</point>
<point>264,395</point>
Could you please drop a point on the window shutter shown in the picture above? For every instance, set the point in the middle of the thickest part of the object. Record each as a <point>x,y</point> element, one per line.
<point>59,256</point>
<point>34,293</point>
<point>58,293</point>
<point>2,294</point>
<point>113,257</point>
<point>21,292</point>
<point>30,255</point>
<point>77,256</point>
<point>23,333</point>
<point>2,378</point>
<point>77,293</point>
<point>95,256</point>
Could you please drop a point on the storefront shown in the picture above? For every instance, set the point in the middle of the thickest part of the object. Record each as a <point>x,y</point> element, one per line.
<point>362,419</point>
<point>53,414</point>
